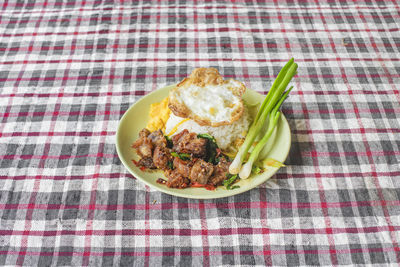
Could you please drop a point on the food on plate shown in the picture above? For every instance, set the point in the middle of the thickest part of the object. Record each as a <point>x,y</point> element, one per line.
<point>187,159</point>
<point>268,109</point>
<point>205,103</point>
<point>195,132</point>
<point>207,98</point>
<point>227,136</point>
<point>159,114</point>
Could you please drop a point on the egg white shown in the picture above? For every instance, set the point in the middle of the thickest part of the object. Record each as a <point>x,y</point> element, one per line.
<point>215,103</point>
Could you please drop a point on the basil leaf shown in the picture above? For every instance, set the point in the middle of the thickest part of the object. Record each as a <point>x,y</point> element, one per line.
<point>255,169</point>
<point>227,183</point>
<point>182,156</point>
<point>170,165</point>
<point>169,141</point>
<point>211,148</point>
<point>206,136</point>
<point>234,187</point>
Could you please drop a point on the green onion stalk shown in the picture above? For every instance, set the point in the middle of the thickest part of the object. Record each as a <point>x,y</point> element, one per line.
<point>269,108</point>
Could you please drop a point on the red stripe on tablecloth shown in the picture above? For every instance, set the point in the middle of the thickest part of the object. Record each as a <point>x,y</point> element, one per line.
<point>342,131</point>
<point>187,59</point>
<point>174,45</point>
<point>241,205</point>
<point>111,175</point>
<point>77,133</point>
<point>147,76</point>
<point>89,225</point>
<point>61,113</point>
<point>344,111</point>
<point>95,3</point>
<point>209,30</point>
<point>213,232</point>
<point>347,153</point>
<point>196,253</point>
<point>28,215</point>
<point>141,93</point>
<point>98,94</point>
<point>216,16</point>
<point>336,175</point>
<point>45,156</point>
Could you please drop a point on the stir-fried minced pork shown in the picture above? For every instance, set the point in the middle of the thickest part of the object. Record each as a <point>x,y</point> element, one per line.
<point>144,133</point>
<point>183,166</point>
<point>192,160</point>
<point>143,146</point>
<point>186,142</point>
<point>161,157</point>
<point>201,171</point>
<point>220,171</point>
<point>158,138</point>
<point>176,180</point>
<point>147,163</point>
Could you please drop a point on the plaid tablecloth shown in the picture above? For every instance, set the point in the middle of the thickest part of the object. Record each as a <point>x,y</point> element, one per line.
<point>70,69</point>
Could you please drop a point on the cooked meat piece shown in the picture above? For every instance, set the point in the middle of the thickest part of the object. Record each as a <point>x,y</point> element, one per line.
<point>220,171</point>
<point>161,157</point>
<point>183,166</point>
<point>201,171</point>
<point>175,138</point>
<point>143,145</point>
<point>176,180</point>
<point>186,142</point>
<point>158,139</point>
<point>144,133</point>
<point>147,162</point>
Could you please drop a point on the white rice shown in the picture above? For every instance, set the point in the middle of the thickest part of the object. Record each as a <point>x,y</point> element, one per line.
<point>224,135</point>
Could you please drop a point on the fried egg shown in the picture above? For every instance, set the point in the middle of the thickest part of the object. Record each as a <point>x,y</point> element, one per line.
<point>207,98</point>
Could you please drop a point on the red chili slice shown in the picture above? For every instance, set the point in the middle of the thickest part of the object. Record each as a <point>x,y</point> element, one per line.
<point>206,186</point>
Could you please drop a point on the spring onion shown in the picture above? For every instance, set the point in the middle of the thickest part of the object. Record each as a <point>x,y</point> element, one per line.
<point>269,108</point>
<point>255,169</point>
<point>229,181</point>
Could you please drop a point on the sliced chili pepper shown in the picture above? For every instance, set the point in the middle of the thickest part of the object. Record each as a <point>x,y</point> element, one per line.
<point>206,186</point>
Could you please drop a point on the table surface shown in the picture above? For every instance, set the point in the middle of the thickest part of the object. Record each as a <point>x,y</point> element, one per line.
<point>70,69</point>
